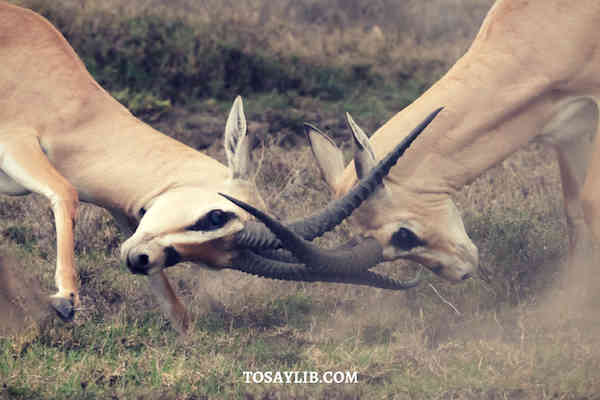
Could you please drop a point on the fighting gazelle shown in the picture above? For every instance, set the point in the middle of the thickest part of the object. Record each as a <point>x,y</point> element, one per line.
<point>532,72</point>
<point>63,136</point>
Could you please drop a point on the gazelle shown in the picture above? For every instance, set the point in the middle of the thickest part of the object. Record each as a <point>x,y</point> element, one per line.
<point>532,72</point>
<point>63,136</point>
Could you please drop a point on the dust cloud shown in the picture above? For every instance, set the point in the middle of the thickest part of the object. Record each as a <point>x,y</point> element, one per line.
<point>574,299</point>
<point>21,301</point>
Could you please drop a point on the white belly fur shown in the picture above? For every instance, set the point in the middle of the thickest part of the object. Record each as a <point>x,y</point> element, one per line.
<point>10,187</point>
<point>575,119</point>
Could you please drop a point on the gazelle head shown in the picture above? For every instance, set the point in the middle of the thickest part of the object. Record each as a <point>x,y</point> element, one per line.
<point>426,228</point>
<point>191,222</point>
<point>302,260</point>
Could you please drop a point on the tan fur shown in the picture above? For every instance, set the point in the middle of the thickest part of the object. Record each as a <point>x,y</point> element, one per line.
<point>533,71</point>
<point>65,137</point>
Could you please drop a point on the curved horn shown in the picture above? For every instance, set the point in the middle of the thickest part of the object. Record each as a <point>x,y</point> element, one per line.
<point>256,236</point>
<point>254,264</point>
<point>316,225</point>
<point>352,260</point>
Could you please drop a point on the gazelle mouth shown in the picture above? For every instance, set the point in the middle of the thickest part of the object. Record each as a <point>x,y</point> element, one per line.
<point>136,270</point>
<point>137,263</point>
<point>172,257</point>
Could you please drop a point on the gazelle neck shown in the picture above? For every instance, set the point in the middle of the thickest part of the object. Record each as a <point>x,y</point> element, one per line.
<point>497,97</point>
<point>123,163</point>
<point>479,127</point>
<point>469,135</point>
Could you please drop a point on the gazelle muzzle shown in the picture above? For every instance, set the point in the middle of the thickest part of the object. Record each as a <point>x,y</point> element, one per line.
<point>348,264</point>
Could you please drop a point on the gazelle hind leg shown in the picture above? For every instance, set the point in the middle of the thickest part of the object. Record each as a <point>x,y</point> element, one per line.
<point>572,160</point>
<point>590,194</point>
<point>23,160</point>
<point>571,131</point>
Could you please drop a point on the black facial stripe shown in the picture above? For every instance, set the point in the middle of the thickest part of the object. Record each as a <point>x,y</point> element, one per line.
<point>405,239</point>
<point>172,257</point>
<point>213,220</point>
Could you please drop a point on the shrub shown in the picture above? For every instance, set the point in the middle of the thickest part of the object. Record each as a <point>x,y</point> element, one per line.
<point>150,62</point>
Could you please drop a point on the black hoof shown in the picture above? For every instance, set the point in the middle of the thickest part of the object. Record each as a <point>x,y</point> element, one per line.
<point>64,308</point>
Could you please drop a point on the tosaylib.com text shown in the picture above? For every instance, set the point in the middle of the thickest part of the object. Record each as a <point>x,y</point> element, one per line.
<point>291,377</point>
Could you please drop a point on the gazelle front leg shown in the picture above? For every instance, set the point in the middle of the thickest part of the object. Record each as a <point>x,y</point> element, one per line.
<point>169,303</point>
<point>23,160</point>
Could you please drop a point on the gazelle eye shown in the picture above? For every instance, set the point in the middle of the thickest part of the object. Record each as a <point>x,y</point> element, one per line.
<point>405,239</point>
<point>215,219</point>
<point>142,212</point>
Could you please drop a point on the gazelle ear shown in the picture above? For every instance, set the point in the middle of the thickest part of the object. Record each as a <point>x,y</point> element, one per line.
<point>237,144</point>
<point>329,158</point>
<point>364,157</point>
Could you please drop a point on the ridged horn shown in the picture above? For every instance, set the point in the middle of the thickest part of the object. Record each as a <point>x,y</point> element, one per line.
<point>256,236</point>
<point>364,255</point>
<point>254,264</point>
<point>359,258</point>
<point>338,210</point>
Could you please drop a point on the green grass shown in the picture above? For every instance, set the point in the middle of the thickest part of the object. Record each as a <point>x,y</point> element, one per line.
<point>150,62</point>
<point>398,346</point>
<point>529,331</point>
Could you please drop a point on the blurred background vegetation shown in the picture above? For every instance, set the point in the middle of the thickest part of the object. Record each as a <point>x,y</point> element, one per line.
<point>521,330</point>
<point>153,55</point>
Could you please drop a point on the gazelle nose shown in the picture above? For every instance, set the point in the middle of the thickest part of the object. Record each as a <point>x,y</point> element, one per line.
<point>137,263</point>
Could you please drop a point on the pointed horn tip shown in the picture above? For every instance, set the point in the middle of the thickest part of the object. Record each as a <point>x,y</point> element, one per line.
<point>264,218</point>
<point>417,131</point>
<point>234,200</point>
<point>433,114</point>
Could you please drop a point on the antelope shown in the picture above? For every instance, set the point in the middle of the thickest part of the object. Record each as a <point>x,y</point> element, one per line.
<point>531,73</point>
<point>64,137</point>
